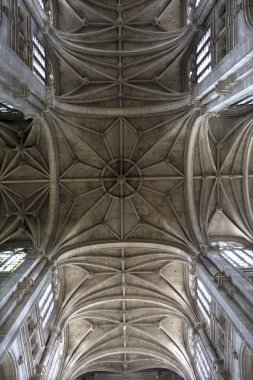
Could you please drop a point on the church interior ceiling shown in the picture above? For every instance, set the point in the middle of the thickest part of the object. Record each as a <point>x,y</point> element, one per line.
<point>122,183</point>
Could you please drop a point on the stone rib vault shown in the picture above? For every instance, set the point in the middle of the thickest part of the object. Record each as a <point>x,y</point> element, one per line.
<point>127,184</point>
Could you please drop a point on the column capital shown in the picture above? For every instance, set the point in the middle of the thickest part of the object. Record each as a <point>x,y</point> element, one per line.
<point>198,326</point>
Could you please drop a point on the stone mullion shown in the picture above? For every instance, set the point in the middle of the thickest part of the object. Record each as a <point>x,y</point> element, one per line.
<point>208,351</point>
<point>18,307</point>
<point>20,88</point>
<point>42,367</point>
<point>243,284</point>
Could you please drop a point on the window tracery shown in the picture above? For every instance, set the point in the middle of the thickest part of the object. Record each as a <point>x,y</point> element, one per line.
<point>247,101</point>
<point>46,305</point>
<point>203,301</point>
<point>236,254</point>
<point>203,56</point>
<point>33,334</point>
<point>56,361</point>
<point>21,40</point>
<point>202,366</point>
<point>11,259</point>
<point>217,41</point>
<point>39,59</point>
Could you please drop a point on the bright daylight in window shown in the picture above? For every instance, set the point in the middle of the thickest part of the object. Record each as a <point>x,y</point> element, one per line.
<point>203,56</point>
<point>46,305</point>
<point>11,259</point>
<point>203,301</point>
<point>236,254</point>
<point>202,364</point>
<point>39,60</point>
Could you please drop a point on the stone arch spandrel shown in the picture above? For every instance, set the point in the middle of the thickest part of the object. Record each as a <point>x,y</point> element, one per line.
<point>248,13</point>
<point>246,363</point>
<point>8,368</point>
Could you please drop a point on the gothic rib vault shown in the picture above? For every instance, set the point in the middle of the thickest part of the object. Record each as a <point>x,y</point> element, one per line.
<point>123,182</point>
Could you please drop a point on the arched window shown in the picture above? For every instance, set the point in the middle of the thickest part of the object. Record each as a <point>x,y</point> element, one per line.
<point>46,305</point>
<point>246,363</point>
<point>202,366</point>
<point>203,301</point>
<point>8,367</point>
<point>11,259</point>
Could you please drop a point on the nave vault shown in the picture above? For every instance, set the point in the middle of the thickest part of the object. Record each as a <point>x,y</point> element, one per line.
<point>122,182</point>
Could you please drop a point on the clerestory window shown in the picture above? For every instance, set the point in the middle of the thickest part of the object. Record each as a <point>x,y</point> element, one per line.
<point>56,362</point>
<point>11,259</point>
<point>203,302</point>
<point>247,101</point>
<point>39,60</point>
<point>202,367</point>
<point>4,107</point>
<point>203,56</point>
<point>46,305</point>
<point>236,254</point>
<point>216,42</point>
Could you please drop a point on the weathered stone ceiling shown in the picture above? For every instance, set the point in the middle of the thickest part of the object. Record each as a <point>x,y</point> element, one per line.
<point>222,177</point>
<point>26,181</point>
<point>122,182</point>
<point>125,310</point>
<point>122,179</point>
<point>115,54</point>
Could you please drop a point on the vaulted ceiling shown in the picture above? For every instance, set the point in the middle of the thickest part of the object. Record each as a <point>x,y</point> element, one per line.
<point>122,182</point>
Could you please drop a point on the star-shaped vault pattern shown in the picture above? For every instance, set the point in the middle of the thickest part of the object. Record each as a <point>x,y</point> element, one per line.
<point>121,182</point>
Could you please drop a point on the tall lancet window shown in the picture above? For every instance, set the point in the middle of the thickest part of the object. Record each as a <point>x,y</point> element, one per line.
<point>203,302</point>
<point>39,60</point>
<point>46,305</point>
<point>203,56</point>
<point>202,367</point>
<point>11,259</point>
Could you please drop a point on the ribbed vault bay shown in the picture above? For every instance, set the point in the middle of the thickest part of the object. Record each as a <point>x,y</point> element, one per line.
<point>125,310</point>
<point>122,182</point>
<point>174,178</point>
<point>120,54</point>
<point>122,179</point>
<point>27,175</point>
